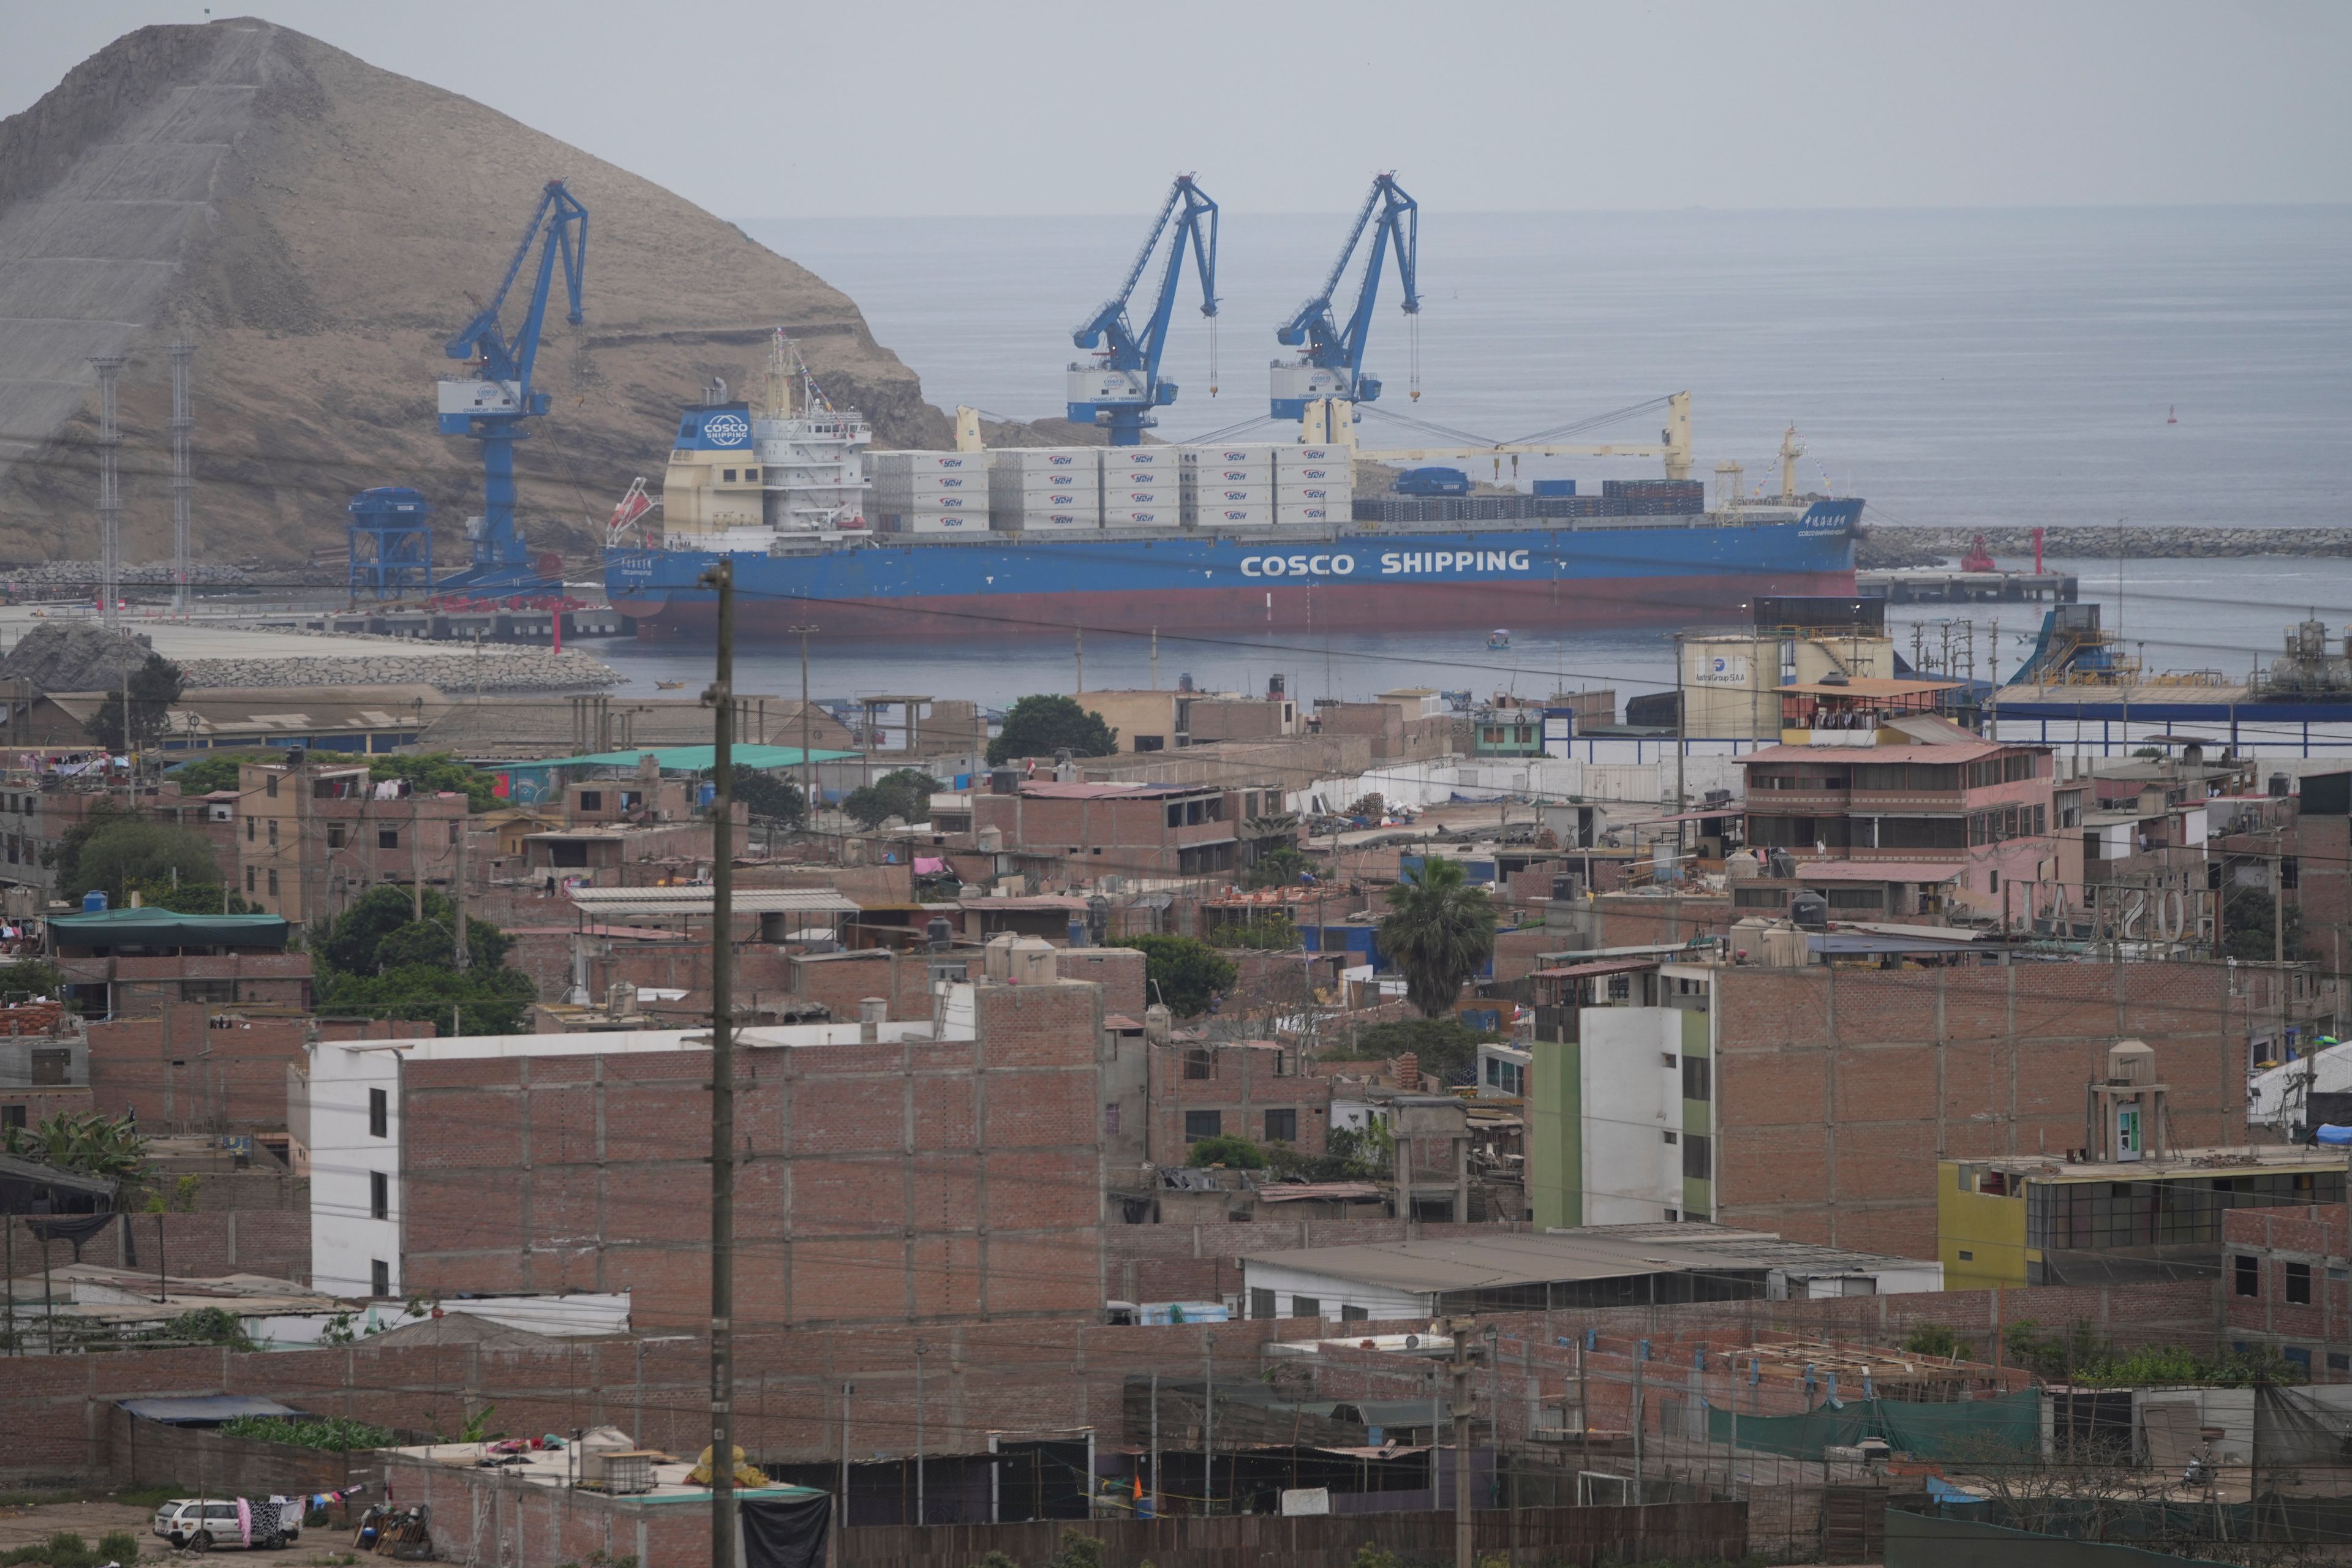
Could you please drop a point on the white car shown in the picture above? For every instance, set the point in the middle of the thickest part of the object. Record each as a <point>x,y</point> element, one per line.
<point>199,1525</point>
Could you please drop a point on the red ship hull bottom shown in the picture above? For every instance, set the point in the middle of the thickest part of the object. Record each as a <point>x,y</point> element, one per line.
<point>1307,607</point>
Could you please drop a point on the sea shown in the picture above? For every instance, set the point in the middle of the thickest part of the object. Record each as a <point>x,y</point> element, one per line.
<point>2173,367</point>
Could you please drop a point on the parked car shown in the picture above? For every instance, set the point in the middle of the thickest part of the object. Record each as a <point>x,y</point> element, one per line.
<point>199,1525</point>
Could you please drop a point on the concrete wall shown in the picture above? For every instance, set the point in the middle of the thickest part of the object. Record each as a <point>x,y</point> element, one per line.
<point>1630,1174</point>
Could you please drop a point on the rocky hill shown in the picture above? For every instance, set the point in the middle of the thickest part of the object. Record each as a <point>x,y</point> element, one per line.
<point>316,226</point>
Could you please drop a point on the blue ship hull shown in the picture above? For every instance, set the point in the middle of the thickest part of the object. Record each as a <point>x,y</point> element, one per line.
<point>1521,574</point>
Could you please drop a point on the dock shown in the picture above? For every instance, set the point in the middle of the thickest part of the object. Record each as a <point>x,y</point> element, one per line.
<point>1936,586</point>
<point>500,625</point>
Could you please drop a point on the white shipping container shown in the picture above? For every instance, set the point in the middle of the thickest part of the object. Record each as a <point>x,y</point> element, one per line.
<point>1258,516</point>
<point>935,523</point>
<point>1232,495</point>
<point>1043,482</point>
<point>1213,457</point>
<point>1286,512</point>
<point>1231,474</point>
<point>1091,511</point>
<point>1321,495</point>
<point>1136,459</point>
<point>933,483</point>
<point>1315,474</point>
<point>1311,454</point>
<point>1056,521</point>
<point>1065,459</point>
<point>927,462</point>
<point>1142,516</point>
<point>1164,495</point>
<point>929,500</point>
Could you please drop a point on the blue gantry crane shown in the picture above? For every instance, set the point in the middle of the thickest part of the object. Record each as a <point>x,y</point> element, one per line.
<point>1333,364</point>
<point>1121,387</point>
<point>491,405</point>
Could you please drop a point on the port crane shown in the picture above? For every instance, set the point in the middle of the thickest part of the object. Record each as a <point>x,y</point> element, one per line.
<point>491,403</point>
<point>1333,366</point>
<point>1121,385</point>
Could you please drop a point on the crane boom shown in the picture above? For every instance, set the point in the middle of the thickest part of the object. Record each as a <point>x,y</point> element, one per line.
<point>1333,364</point>
<point>1122,384</point>
<point>491,405</point>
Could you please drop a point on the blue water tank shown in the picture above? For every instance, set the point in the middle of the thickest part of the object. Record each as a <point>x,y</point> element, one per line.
<point>2331,1136</point>
<point>1433,482</point>
<point>1555,487</point>
<point>94,901</point>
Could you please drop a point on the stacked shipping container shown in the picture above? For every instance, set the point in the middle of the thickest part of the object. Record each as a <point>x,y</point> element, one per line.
<point>1045,489</point>
<point>1141,487</point>
<point>1227,487</point>
<point>931,493</point>
<point>1312,486</point>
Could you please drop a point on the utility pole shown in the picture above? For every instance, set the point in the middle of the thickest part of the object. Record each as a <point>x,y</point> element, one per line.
<point>808,768</point>
<point>1078,637</point>
<point>1682,749</point>
<point>182,422</point>
<point>458,900</point>
<point>1466,1405</point>
<point>1208,1422</point>
<point>920,1511</point>
<point>109,505</point>
<point>722,698</point>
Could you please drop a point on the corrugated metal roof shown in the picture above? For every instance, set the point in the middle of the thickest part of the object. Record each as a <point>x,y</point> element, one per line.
<point>203,1409</point>
<point>602,902</point>
<point>1603,966</point>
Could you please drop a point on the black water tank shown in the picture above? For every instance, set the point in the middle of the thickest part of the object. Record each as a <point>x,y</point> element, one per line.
<point>938,933</point>
<point>1809,910</point>
<point>1004,781</point>
<point>2281,786</point>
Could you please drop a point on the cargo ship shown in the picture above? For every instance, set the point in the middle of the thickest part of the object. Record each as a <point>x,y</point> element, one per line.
<point>1239,539</point>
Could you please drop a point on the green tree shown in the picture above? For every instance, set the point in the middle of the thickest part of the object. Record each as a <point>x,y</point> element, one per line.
<point>1278,868</point>
<point>107,1147</point>
<point>2247,926</point>
<point>1039,726</point>
<point>1438,931</point>
<point>124,852</point>
<point>768,794</point>
<point>193,898</point>
<point>903,792</point>
<point>351,944</point>
<point>1447,1048</point>
<point>28,977</point>
<point>154,686</point>
<point>1225,1149</point>
<point>214,771</point>
<point>1184,974</point>
<point>438,773</point>
<point>476,1001</point>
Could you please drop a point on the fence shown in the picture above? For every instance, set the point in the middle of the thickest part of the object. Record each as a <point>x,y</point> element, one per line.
<point>1524,1538</point>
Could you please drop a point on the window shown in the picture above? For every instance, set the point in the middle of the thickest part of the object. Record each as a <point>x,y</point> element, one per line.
<point>2298,1284</point>
<point>51,1067</point>
<point>379,1113</point>
<point>248,873</point>
<point>1110,1118</point>
<point>2245,1275</point>
<point>1306,1307</point>
<point>1152,742</point>
<point>251,828</point>
<point>729,476</point>
<point>270,786</point>
<point>1199,1124</point>
<point>1669,1137</point>
<point>1698,1079</point>
<point>379,1277</point>
<point>752,476</point>
<point>387,837</point>
<point>336,836</point>
<point>1698,1156</point>
<point>1199,1064</point>
<point>2339,1361</point>
<point>12,1116</point>
<point>1668,1060</point>
<point>1281,1126</point>
<point>456,831</point>
<point>1261,1302</point>
<point>2300,1359</point>
<point>273,882</point>
<point>1966,1257</point>
<point>1354,1314</point>
<point>2290,873</point>
<point>273,832</point>
<point>379,1196</point>
<point>591,800</point>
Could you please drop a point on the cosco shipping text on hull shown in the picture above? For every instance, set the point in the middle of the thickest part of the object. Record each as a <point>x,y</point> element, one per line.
<point>1519,576</point>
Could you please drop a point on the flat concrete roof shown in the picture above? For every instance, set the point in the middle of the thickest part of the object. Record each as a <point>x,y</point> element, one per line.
<point>1485,1262</point>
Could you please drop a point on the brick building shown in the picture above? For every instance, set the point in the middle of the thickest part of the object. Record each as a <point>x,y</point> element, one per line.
<point>2286,1284</point>
<point>1815,1101</point>
<point>187,1067</point>
<point>1251,1089</point>
<point>945,1170</point>
<point>314,837</point>
<point>1868,779</point>
<point>1086,830</point>
<point>130,963</point>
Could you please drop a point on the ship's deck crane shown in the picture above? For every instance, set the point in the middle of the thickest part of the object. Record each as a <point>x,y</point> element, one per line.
<point>491,405</point>
<point>1333,366</point>
<point>1122,385</point>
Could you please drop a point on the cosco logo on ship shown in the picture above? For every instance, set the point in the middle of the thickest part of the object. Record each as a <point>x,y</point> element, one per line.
<point>726,430</point>
<point>1297,565</point>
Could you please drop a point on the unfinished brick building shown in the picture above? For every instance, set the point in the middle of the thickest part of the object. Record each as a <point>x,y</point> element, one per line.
<point>946,1170</point>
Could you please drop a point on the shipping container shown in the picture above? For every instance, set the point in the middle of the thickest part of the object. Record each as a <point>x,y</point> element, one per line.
<point>935,523</point>
<point>1313,455</point>
<point>1216,456</point>
<point>1555,487</point>
<point>1260,516</point>
<point>1142,516</point>
<point>1288,512</point>
<point>1065,459</point>
<point>927,462</point>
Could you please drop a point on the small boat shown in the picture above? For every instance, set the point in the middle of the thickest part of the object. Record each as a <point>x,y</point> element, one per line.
<point>667,685</point>
<point>1499,637</point>
<point>2172,413</point>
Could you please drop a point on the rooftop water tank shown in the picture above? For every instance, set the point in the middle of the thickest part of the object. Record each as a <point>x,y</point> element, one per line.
<point>1809,910</point>
<point>94,901</point>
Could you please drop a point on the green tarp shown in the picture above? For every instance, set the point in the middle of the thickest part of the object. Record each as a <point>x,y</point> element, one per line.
<point>1953,1430</point>
<point>162,928</point>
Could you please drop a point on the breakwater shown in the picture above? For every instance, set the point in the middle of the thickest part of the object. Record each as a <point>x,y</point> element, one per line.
<point>1885,548</point>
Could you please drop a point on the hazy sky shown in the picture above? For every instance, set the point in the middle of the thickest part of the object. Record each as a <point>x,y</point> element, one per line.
<point>950,106</point>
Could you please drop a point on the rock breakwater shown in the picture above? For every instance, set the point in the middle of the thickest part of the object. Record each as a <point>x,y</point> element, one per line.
<point>1886,548</point>
<point>517,669</point>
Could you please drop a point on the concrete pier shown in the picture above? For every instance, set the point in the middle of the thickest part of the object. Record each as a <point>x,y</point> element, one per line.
<point>1935,586</point>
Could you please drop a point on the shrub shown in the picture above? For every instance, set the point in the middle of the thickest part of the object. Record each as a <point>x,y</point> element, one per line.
<point>1225,1149</point>
<point>1185,975</point>
<point>333,1433</point>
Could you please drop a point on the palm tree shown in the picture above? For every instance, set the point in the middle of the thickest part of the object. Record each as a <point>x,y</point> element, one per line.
<point>1438,931</point>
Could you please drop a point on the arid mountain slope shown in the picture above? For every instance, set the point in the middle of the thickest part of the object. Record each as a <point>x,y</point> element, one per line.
<point>317,228</point>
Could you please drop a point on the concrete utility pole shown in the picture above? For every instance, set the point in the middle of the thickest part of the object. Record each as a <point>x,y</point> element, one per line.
<point>722,698</point>
<point>1466,1405</point>
<point>808,768</point>
<point>457,902</point>
<point>182,422</point>
<point>110,498</point>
